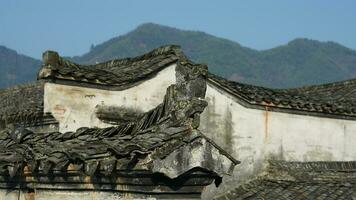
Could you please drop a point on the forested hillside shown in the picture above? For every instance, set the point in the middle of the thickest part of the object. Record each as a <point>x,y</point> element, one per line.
<point>16,68</point>
<point>298,63</point>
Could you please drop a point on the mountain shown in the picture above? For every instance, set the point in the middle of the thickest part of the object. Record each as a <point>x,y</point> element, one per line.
<point>16,68</point>
<point>306,62</point>
<point>223,56</point>
<point>300,62</point>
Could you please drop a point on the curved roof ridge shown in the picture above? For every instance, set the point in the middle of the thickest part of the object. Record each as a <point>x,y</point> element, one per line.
<point>336,100</point>
<point>308,166</point>
<point>162,50</point>
<point>118,72</point>
<point>156,137</point>
<point>311,88</point>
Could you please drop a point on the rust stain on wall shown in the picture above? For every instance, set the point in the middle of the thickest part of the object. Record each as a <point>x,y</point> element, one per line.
<point>58,109</point>
<point>30,195</point>
<point>266,115</point>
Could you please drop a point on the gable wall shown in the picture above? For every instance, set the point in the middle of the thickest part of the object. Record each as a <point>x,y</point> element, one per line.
<point>253,136</point>
<point>250,135</point>
<point>74,107</point>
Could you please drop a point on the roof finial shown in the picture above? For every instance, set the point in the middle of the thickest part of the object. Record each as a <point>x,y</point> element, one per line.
<point>50,58</point>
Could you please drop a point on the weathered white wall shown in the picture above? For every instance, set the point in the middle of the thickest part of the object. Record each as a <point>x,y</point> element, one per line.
<point>44,194</point>
<point>252,135</point>
<point>248,134</point>
<point>74,107</point>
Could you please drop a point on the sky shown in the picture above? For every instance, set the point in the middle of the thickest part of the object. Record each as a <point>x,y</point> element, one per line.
<point>71,26</point>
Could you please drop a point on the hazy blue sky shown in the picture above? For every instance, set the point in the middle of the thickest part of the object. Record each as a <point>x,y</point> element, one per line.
<point>71,26</point>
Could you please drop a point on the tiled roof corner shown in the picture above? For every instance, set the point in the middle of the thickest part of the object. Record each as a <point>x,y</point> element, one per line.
<point>300,180</point>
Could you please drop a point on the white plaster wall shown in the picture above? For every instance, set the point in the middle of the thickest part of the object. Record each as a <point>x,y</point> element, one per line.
<point>253,136</point>
<point>251,133</point>
<point>74,107</point>
<point>48,194</point>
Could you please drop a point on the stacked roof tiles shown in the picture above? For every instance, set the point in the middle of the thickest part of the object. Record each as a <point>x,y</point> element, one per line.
<point>159,145</point>
<point>298,180</point>
<point>335,99</point>
<point>156,140</point>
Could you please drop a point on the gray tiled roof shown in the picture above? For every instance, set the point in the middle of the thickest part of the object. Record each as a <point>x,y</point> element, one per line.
<point>146,142</point>
<point>334,99</point>
<point>22,102</point>
<point>105,150</point>
<point>298,180</point>
<point>25,102</point>
<point>119,73</point>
